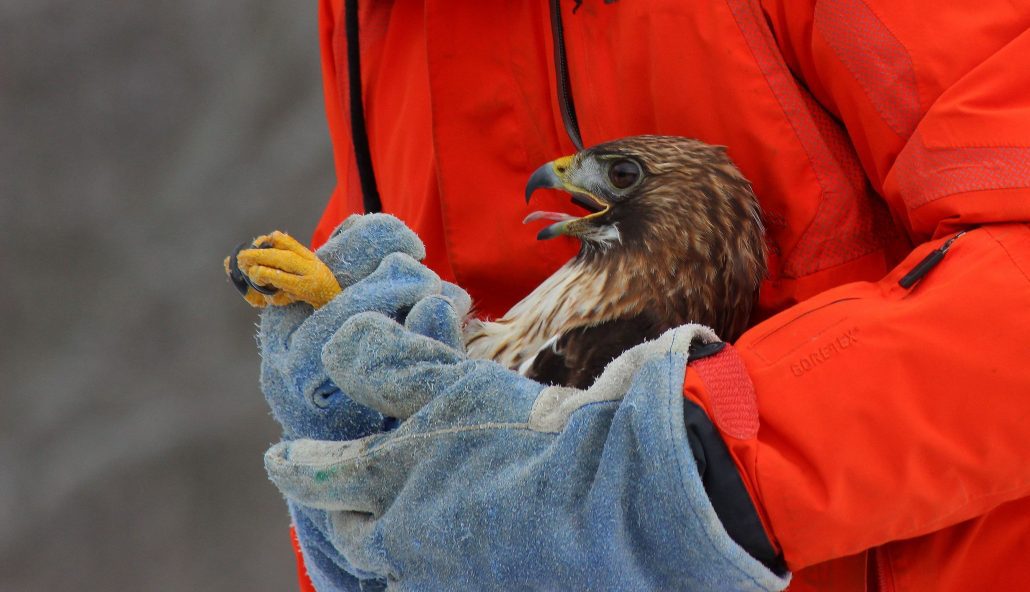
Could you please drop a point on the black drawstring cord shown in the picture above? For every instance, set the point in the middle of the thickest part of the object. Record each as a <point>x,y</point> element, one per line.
<point>359,133</point>
<point>561,70</point>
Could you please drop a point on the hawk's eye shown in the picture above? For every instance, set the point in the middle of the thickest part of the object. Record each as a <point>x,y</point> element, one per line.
<point>623,173</point>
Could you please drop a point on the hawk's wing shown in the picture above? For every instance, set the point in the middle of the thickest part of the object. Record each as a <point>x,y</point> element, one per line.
<point>578,356</point>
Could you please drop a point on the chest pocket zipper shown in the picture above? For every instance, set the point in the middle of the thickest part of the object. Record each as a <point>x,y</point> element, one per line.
<point>928,263</point>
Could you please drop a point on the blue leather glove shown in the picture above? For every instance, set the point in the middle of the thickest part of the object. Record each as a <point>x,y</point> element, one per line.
<point>374,260</point>
<point>496,482</point>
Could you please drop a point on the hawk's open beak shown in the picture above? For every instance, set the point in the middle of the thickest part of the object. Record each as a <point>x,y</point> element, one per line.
<point>554,175</point>
<point>544,177</point>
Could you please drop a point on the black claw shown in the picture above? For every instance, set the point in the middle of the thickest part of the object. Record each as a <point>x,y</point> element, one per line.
<point>235,275</point>
<point>239,279</point>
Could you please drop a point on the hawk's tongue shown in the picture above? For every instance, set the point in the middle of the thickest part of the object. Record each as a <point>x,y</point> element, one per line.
<point>557,216</point>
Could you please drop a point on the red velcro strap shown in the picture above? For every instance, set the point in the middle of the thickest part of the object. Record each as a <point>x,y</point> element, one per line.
<point>732,396</point>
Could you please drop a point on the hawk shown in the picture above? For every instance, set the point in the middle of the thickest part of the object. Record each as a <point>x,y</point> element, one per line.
<point>674,235</point>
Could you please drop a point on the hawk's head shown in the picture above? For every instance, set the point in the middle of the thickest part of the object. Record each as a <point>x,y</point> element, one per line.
<point>665,202</point>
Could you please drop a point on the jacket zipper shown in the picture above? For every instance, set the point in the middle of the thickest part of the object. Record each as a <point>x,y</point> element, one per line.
<point>881,570</point>
<point>561,70</point>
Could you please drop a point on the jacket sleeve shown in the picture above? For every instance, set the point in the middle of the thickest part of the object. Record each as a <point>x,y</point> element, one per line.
<point>887,413</point>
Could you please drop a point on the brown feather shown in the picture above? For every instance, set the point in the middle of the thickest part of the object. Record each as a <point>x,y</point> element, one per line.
<point>577,358</point>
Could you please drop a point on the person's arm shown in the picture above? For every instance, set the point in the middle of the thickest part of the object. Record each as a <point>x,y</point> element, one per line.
<point>872,391</point>
<point>888,413</point>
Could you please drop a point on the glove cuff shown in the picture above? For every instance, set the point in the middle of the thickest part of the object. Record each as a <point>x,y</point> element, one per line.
<point>721,418</point>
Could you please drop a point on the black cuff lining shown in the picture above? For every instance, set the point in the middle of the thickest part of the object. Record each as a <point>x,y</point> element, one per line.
<point>725,488</point>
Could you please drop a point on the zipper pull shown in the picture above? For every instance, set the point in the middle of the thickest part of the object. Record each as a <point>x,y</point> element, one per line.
<point>928,263</point>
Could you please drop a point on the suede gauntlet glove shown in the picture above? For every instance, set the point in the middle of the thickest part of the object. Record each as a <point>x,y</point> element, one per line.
<point>496,482</point>
<point>373,258</point>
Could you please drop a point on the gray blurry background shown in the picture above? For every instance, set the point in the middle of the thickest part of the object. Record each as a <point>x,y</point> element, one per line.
<point>139,142</point>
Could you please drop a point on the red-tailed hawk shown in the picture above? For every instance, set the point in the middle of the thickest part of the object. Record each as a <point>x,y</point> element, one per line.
<point>674,236</point>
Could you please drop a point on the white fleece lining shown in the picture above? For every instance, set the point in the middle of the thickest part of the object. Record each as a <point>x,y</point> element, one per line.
<point>556,404</point>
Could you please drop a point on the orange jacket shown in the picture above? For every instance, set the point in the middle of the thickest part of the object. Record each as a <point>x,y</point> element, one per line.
<point>893,420</point>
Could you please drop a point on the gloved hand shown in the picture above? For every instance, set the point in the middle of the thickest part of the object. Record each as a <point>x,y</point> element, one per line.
<point>373,258</point>
<point>496,482</point>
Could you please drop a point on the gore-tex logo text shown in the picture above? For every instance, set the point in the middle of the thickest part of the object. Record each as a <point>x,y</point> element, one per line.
<point>824,353</point>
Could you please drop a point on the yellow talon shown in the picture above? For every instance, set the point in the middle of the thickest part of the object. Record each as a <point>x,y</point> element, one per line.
<point>293,270</point>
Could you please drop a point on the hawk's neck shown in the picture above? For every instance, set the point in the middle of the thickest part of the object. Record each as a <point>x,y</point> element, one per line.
<point>580,293</point>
